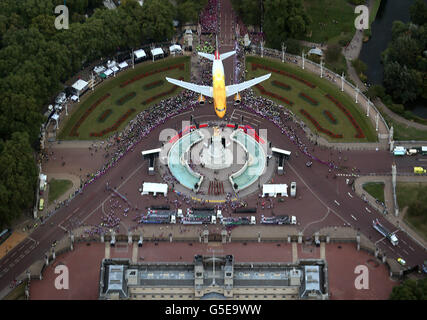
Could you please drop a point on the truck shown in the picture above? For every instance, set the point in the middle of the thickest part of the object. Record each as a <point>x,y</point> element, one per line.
<point>231,221</point>
<point>159,216</point>
<point>190,219</point>
<point>283,219</point>
<point>382,230</point>
<point>293,189</point>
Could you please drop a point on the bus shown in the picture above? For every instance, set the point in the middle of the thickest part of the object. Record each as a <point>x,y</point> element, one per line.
<point>4,235</point>
<point>41,204</point>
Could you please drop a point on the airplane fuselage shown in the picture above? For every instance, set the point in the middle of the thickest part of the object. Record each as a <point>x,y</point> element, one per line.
<point>218,84</point>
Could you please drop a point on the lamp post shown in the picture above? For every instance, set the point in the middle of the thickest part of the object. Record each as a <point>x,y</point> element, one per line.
<point>342,82</point>
<point>321,68</point>
<point>357,93</point>
<point>303,59</point>
<point>368,108</point>
<point>376,121</point>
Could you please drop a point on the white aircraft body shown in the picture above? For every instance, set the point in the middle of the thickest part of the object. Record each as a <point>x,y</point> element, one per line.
<point>219,91</point>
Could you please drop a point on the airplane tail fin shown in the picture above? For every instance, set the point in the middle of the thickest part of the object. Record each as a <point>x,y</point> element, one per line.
<point>227,54</point>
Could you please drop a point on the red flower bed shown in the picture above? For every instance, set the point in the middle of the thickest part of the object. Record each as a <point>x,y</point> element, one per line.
<point>126,98</point>
<point>308,99</point>
<point>283,73</point>
<point>359,134</point>
<point>115,126</point>
<point>161,94</point>
<point>273,95</point>
<point>318,126</point>
<point>104,115</point>
<point>330,117</point>
<point>150,73</point>
<point>154,84</point>
<point>281,85</point>
<point>74,131</point>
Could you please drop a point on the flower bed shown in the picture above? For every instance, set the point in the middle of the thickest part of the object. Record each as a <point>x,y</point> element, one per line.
<point>150,73</point>
<point>161,94</point>
<point>330,117</point>
<point>281,85</point>
<point>126,98</point>
<point>105,115</point>
<point>273,95</point>
<point>309,99</point>
<point>153,85</point>
<point>359,134</point>
<point>255,66</point>
<point>115,126</point>
<point>319,127</point>
<point>74,131</point>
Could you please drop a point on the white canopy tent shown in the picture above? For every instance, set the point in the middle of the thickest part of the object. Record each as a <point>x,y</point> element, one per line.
<point>123,65</point>
<point>108,72</point>
<point>273,190</point>
<point>115,69</point>
<point>111,64</point>
<point>175,48</point>
<point>155,188</point>
<point>147,152</point>
<point>157,52</point>
<point>80,86</point>
<point>139,54</point>
<point>281,151</point>
<point>316,51</point>
<point>99,69</point>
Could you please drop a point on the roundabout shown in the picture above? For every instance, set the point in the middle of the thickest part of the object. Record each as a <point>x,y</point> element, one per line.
<point>211,160</point>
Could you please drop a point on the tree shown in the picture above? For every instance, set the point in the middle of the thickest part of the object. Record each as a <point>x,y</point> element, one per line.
<point>284,19</point>
<point>376,90</point>
<point>157,24</point>
<point>333,53</point>
<point>18,178</point>
<point>418,12</point>
<point>410,290</point>
<point>402,83</point>
<point>187,11</point>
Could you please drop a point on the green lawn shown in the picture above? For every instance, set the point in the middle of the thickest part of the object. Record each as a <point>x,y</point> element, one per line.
<point>407,193</point>
<point>323,13</point>
<point>403,132</point>
<point>375,189</point>
<point>343,125</point>
<point>57,188</point>
<point>93,123</point>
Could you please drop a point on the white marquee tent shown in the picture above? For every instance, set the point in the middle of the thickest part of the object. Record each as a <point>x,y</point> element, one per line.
<point>273,190</point>
<point>139,54</point>
<point>175,48</point>
<point>157,52</point>
<point>80,85</point>
<point>155,188</point>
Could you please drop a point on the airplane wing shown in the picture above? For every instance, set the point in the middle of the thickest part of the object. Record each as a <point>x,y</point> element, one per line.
<point>235,88</point>
<point>204,90</point>
<point>206,55</point>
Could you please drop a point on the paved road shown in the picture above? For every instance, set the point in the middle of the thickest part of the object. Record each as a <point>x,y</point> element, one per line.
<point>332,193</point>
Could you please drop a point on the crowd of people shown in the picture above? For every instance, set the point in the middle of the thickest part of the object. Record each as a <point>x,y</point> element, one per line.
<point>209,17</point>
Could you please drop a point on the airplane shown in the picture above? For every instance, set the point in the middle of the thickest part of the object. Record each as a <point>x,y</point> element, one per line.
<point>219,91</point>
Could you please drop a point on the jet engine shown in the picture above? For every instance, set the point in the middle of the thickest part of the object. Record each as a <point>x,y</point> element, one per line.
<point>201,99</point>
<point>237,98</point>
